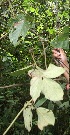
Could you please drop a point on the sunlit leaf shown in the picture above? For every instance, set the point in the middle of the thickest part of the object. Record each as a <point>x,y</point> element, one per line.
<point>36,87</point>
<point>27,114</point>
<point>45,117</point>
<point>53,71</point>
<point>36,72</point>
<point>52,90</point>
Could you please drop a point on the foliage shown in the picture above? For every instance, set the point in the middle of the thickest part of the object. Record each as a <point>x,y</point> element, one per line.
<point>62,40</point>
<point>29,30</point>
<point>41,83</point>
<point>45,117</point>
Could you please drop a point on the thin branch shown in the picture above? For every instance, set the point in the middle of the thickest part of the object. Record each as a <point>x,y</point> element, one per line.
<point>3,36</point>
<point>17,117</point>
<point>44,49</point>
<point>33,59</point>
<point>9,86</point>
<point>11,8</point>
<point>44,53</point>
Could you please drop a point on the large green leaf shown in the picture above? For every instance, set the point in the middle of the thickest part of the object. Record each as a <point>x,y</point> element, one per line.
<point>56,43</point>
<point>19,28</point>
<point>45,117</point>
<point>53,71</point>
<point>52,90</point>
<point>27,114</point>
<point>62,40</point>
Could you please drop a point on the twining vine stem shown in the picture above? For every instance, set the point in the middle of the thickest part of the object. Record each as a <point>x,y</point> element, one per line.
<point>17,117</point>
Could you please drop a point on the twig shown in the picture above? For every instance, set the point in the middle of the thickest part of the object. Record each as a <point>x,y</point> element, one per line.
<point>43,47</point>
<point>11,8</point>
<point>3,36</point>
<point>33,57</point>
<point>44,53</point>
<point>16,117</point>
<point>9,86</point>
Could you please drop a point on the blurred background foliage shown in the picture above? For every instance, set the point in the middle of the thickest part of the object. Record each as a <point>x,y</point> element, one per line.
<point>27,26</point>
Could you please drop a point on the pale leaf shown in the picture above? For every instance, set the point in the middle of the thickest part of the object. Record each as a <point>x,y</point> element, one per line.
<point>14,34</point>
<point>20,29</point>
<point>52,90</point>
<point>45,117</point>
<point>53,71</point>
<point>35,73</point>
<point>36,87</point>
<point>27,114</point>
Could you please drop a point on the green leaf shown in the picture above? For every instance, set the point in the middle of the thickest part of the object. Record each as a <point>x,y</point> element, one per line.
<point>66,30</point>
<point>20,29</point>
<point>50,105</point>
<point>52,90</point>
<point>1,97</point>
<point>53,71</point>
<point>65,105</point>
<point>27,114</point>
<point>50,133</point>
<point>65,34</point>
<point>40,102</point>
<point>36,87</point>
<point>45,117</point>
<point>20,71</point>
<point>56,43</point>
<point>62,40</point>
<point>32,9</point>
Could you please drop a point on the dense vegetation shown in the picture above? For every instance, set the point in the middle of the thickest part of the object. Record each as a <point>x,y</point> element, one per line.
<point>29,30</point>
